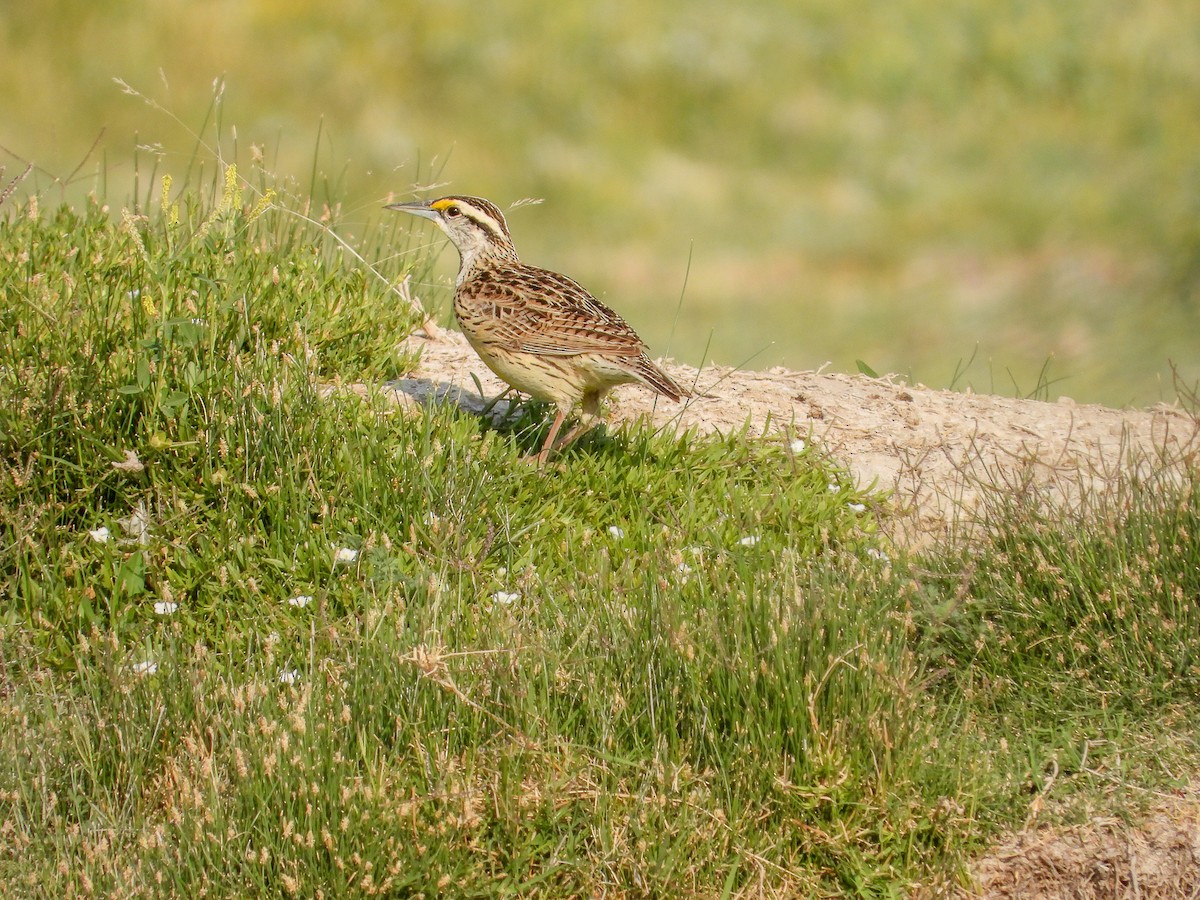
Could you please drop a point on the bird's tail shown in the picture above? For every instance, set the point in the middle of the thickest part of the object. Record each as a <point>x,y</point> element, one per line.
<point>660,382</point>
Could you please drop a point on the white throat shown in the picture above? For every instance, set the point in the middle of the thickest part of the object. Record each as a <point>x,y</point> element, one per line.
<point>467,259</point>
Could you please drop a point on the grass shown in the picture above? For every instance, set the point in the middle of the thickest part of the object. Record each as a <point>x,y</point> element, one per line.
<point>258,638</point>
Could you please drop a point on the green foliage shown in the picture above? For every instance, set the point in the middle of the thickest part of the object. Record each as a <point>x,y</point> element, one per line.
<point>262,633</point>
<point>1072,612</point>
<point>865,369</point>
<point>189,347</point>
<point>533,747</point>
<point>1065,648</point>
<point>471,651</point>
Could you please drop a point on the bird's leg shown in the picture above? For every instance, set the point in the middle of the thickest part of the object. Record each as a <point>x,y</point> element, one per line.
<point>591,418</point>
<point>577,432</point>
<point>548,444</point>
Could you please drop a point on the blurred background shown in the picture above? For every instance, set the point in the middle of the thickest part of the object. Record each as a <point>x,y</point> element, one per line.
<point>995,194</point>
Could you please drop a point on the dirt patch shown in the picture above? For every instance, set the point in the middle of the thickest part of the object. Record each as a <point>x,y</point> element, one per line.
<point>940,454</point>
<point>1157,859</point>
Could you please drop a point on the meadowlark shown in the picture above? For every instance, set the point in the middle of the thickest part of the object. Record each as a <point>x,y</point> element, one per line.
<point>538,330</point>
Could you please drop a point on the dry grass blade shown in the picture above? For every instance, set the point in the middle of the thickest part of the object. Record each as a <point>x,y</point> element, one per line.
<point>12,185</point>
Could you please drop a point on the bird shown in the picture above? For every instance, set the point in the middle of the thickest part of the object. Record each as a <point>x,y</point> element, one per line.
<point>540,331</point>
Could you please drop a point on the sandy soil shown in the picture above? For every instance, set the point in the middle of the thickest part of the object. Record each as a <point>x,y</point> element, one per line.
<point>1155,859</point>
<point>939,454</point>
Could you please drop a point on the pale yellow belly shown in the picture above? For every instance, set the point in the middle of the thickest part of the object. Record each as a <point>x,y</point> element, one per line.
<point>561,380</point>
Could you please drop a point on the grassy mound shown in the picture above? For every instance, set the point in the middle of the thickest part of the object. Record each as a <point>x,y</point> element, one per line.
<point>261,639</point>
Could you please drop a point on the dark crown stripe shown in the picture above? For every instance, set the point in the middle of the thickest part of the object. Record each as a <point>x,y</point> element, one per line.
<point>492,219</point>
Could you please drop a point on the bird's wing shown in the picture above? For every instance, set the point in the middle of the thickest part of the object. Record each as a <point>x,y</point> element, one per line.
<point>534,310</point>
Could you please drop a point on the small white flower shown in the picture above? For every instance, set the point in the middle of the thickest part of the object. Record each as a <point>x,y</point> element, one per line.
<point>857,507</point>
<point>878,554</point>
<point>505,598</point>
<point>345,555</point>
<point>300,600</point>
<point>749,540</point>
<point>683,569</point>
<point>798,445</point>
<point>616,531</point>
<point>288,676</point>
<point>100,535</point>
<point>137,524</point>
<point>145,667</point>
<point>834,487</point>
<point>165,607</point>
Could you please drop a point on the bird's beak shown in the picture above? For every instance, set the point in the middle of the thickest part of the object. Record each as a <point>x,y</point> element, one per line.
<point>417,208</point>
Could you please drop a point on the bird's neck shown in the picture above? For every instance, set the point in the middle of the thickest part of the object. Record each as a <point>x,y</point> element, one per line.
<point>475,258</point>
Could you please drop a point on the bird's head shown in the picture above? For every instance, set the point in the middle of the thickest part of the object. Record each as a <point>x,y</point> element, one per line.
<point>474,225</point>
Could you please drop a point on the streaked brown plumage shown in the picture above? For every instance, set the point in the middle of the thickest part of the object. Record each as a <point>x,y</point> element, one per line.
<point>538,330</point>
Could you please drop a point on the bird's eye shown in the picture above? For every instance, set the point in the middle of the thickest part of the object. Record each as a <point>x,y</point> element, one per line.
<point>453,212</point>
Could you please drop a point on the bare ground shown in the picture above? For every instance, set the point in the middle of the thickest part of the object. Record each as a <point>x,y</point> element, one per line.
<point>940,454</point>
<point>1157,858</point>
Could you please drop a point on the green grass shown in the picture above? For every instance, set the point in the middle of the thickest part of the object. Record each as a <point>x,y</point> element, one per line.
<point>665,665</point>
